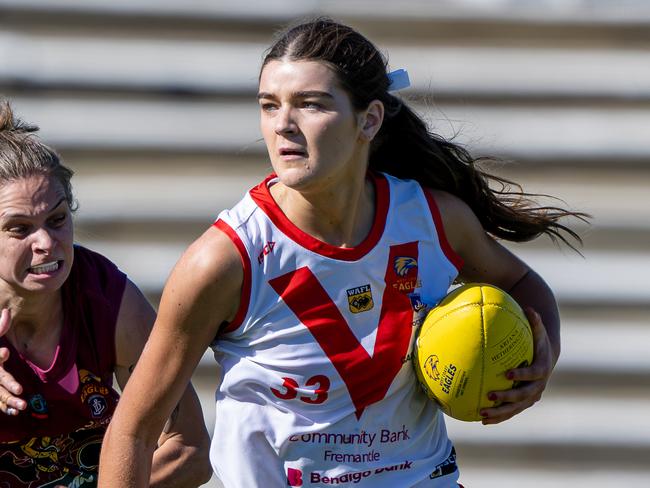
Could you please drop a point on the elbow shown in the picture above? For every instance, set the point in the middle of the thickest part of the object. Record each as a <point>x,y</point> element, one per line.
<point>197,462</point>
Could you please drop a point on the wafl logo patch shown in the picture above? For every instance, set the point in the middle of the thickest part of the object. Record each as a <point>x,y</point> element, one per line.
<point>360,299</point>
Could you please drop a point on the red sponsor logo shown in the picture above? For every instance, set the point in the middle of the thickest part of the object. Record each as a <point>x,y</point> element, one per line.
<point>266,250</point>
<point>294,477</point>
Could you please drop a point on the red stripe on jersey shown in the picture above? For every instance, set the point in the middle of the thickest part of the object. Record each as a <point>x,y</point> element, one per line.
<point>263,198</point>
<point>367,378</point>
<point>455,259</point>
<point>246,284</point>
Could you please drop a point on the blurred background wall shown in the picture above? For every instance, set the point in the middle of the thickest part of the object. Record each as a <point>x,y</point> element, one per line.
<point>152,103</point>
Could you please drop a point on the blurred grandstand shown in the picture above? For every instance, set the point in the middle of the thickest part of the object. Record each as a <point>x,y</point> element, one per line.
<point>153,104</point>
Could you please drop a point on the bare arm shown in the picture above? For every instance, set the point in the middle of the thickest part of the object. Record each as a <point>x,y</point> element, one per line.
<point>181,458</point>
<point>488,261</point>
<point>201,293</point>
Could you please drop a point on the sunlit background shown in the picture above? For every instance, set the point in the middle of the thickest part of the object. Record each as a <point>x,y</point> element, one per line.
<point>152,103</point>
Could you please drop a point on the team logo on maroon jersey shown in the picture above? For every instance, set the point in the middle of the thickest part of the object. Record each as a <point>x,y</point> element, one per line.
<point>97,404</point>
<point>93,393</point>
<point>39,406</point>
<point>360,299</point>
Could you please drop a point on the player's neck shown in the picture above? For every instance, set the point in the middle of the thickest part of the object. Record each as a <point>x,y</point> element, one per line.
<point>341,216</point>
<point>36,324</point>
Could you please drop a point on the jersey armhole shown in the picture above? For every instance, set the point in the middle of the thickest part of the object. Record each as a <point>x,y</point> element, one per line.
<point>244,300</point>
<point>449,252</point>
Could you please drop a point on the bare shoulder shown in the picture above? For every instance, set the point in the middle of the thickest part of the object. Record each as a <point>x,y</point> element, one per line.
<point>213,253</point>
<point>208,274</point>
<point>485,259</point>
<point>459,221</point>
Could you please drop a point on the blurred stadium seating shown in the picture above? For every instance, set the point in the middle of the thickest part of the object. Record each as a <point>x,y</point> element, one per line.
<point>153,104</point>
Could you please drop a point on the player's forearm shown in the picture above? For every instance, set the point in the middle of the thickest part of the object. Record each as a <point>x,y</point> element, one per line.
<point>177,465</point>
<point>532,291</point>
<point>125,461</point>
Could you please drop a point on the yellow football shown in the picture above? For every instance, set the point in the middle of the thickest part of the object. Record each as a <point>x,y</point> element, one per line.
<point>466,345</point>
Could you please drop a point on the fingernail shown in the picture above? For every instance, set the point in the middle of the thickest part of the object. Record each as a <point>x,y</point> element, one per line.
<point>12,411</point>
<point>492,396</point>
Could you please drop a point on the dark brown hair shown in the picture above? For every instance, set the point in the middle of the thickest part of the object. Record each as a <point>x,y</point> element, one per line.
<point>22,154</point>
<point>406,148</point>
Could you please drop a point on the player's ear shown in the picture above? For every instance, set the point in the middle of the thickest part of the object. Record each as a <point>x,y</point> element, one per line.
<point>370,120</point>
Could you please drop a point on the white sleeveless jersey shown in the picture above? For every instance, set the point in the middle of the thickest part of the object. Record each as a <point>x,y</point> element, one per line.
<point>318,388</point>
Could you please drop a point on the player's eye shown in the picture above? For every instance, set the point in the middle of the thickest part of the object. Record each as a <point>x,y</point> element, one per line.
<point>268,107</point>
<point>310,104</point>
<point>18,230</point>
<point>58,220</point>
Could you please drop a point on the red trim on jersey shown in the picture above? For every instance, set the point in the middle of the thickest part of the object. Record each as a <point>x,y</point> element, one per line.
<point>455,259</point>
<point>246,285</point>
<point>263,198</point>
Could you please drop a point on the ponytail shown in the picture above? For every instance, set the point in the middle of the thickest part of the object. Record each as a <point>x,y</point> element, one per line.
<point>405,148</point>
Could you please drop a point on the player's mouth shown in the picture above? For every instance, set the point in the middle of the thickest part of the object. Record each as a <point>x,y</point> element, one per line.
<point>46,268</point>
<point>292,153</point>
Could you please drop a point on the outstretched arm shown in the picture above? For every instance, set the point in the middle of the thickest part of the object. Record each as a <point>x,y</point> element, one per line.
<point>488,261</point>
<point>201,293</point>
<point>181,458</point>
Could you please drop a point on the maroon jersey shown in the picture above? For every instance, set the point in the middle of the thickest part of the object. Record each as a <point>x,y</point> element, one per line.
<point>57,440</point>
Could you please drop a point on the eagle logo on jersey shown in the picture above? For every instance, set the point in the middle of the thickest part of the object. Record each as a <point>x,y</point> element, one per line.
<point>403,264</point>
<point>405,279</point>
<point>360,299</point>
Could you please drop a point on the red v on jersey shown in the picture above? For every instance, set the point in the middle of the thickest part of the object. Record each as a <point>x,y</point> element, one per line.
<point>366,377</point>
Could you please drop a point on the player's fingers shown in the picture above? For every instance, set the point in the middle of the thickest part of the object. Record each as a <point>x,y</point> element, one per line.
<point>542,365</point>
<point>501,414</point>
<point>541,341</point>
<point>505,411</point>
<point>539,370</point>
<point>4,354</point>
<point>5,321</point>
<point>529,392</point>
<point>9,404</point>
<point>8,383</point>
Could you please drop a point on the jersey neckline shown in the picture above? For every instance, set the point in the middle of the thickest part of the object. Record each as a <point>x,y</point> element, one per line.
<point>261,195</point>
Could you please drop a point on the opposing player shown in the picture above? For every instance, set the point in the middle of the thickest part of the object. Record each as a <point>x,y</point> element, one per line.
<point>310,288</point>
<point>69,320</point>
